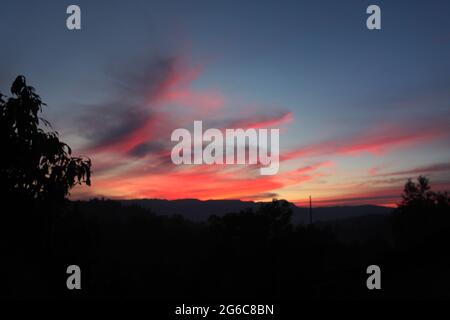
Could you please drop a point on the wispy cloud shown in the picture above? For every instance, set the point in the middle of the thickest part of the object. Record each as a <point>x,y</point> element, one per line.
<point>129,141</point>
<point>375,141</point>
<point>437,167</point>
<point>130,138</point>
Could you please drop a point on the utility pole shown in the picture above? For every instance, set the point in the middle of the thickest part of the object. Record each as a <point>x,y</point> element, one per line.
<point>310,211</point>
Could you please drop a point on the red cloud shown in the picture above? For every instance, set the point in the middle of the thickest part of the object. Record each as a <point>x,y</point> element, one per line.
<point>376,141</point>
<point>205,182</point>
<point>173,87</point>
<point>129,141</point>
<point>176,88</point>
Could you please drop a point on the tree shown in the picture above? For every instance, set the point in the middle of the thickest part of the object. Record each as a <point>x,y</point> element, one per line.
<point>416,193</point>
<point>423,216</point>
<point>35,165</point>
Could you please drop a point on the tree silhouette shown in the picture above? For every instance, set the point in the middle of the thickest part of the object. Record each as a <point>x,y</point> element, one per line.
<point>416,193</point>
<point>35,165</point>
<point>423,215</point>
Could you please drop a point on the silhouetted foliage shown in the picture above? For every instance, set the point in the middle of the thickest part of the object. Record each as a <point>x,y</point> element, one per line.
<point>129,252</point>
<point>37,172</point>
<point>35,164</point>
<point>423,216</point>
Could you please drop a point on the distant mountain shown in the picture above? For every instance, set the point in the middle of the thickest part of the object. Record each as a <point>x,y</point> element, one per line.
<point>197,210</point>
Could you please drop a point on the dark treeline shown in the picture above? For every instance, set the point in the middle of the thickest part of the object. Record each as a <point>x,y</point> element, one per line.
<point>129,252</point>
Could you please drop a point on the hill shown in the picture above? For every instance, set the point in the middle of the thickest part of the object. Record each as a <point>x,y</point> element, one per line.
<point>198,210</point>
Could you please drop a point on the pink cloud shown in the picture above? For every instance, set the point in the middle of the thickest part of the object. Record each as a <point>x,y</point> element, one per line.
<point>374,141</point>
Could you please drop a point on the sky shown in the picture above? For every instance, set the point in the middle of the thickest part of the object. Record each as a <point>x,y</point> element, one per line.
<point>359,111</point>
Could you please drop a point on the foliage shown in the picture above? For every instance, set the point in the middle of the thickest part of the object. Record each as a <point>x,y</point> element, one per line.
<point>35,164</point>
<point>423,216</point>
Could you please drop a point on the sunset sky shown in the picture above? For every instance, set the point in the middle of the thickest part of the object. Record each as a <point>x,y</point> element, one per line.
<point>359,111</point>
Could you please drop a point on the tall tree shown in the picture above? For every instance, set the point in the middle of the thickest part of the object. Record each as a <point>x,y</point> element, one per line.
<point>35,165</point>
